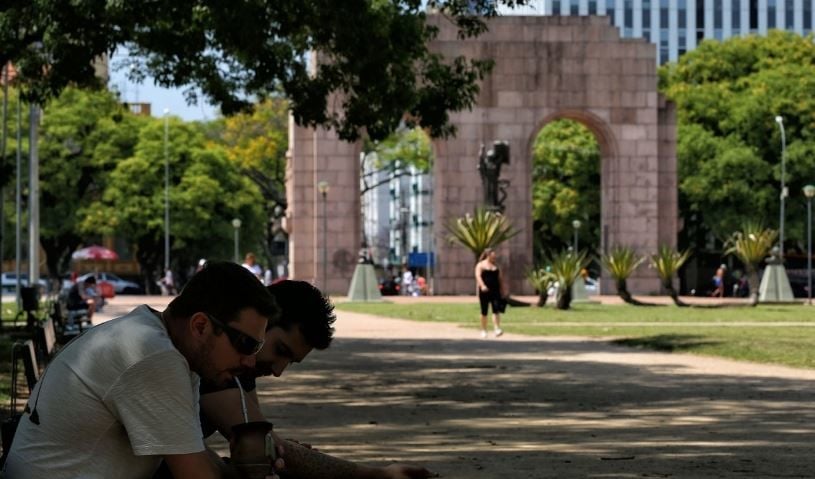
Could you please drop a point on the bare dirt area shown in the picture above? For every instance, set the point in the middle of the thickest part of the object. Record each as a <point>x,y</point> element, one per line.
<point>522,407</point>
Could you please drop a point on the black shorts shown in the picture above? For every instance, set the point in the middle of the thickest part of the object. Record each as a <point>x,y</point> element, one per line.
<point>489,299</point>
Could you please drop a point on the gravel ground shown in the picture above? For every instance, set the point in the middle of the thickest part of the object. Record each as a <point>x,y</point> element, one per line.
<point>523,407</point>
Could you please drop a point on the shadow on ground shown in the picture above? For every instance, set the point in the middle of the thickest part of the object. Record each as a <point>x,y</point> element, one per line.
<point>540,409</point>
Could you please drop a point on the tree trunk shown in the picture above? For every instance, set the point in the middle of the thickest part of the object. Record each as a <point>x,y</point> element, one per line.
<point>564,298</point>
<point>668,285</point>
<point>622,291</point>
<point>543,296</point>
<point>753,273</point>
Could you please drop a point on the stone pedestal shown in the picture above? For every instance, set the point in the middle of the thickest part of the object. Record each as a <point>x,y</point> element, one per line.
<point>364,286</point>
<point>775,285</point>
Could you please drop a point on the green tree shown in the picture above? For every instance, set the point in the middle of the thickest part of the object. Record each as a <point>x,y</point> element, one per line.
<point>566,185</point>
<point>376,53</point>
<point>729,150</point>
<point>256,142</point>
<point>84,134</point>
<point>206,192</point>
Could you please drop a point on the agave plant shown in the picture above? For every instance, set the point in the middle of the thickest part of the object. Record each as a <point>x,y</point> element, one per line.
<point>751,245</point>
<point>541,280</point>
<point>621,262</point>
<point>481,230</point>
<point>566,267</point>
<point>667,263</point>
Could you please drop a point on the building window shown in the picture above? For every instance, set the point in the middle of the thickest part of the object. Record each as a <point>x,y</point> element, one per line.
<point>556,7</point>
<point>735,19</point>
<point>593,7</point>
<point>771,4</point>
<point>682,13</point>
<point>628,20</point>
<point>807,17</point>
<point>646,16</point>
<point>753,15</point>
<point>700,17</point>
<point>791,14</point>
<point>574,7</point>
<point>663,13</point>
<point>717,17</point>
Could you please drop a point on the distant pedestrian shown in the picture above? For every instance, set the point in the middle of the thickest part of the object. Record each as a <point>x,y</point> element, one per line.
<point>491,290</point>
<point>718,282</point>
<point>250,264</point>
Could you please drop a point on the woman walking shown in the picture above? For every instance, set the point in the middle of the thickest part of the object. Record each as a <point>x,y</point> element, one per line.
<point>491,291</point>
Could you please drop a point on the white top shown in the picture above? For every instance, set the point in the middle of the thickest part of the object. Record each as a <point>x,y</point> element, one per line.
<point>110,405</point>
<point>255,269</point>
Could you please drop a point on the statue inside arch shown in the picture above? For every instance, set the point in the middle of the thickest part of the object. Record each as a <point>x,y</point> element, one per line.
<point>489,166</point>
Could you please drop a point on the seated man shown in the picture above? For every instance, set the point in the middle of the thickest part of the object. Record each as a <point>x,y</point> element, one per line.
<point>79,301</point>
<point>124,395</point>
<point>304,324</point>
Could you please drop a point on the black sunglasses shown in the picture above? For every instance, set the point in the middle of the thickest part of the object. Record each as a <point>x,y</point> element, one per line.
<point>242,342</point>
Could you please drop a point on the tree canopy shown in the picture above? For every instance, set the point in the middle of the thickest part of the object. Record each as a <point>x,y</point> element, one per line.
<point>374,55</point>
<point>565,185</point>
<point>729,147</point>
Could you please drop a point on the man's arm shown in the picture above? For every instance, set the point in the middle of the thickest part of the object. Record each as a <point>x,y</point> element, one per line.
<point>223,410</point>
<point>203,465</point>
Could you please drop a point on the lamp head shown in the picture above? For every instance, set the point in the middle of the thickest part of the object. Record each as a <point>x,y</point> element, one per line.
<point>323,187</point>
<point>236,223</point>
<point>166,110</point>
<point>809,191</point>
<point>576,224</point>
<point>779,119</point>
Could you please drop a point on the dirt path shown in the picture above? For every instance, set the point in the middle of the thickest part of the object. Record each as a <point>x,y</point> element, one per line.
<point>520,407</point>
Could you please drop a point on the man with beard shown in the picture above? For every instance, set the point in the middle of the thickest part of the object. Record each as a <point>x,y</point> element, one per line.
<point>124,395</point>
<point>305,323</point>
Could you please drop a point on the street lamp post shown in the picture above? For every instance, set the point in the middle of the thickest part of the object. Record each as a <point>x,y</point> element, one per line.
<point>236,224</point>
<point>323,188</point>
<point>166,192</point>
<point>809,192</point>
<point>780,121</point>
<point>576,225</point>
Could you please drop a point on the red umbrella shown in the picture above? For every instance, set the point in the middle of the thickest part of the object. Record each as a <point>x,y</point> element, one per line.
<point>95,252</point>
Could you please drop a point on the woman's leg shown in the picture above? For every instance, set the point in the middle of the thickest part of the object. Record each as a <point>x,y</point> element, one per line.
<point>496,322</point>
<point>483,303</point>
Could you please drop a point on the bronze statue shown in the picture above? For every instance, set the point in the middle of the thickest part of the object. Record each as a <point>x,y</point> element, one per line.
<point>489,166</point>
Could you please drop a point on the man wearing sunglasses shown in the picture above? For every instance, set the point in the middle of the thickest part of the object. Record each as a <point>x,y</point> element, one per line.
<point>124,395</point>
<point>305,323</point>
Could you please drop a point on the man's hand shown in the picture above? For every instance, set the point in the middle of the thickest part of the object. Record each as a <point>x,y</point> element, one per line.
<point>402,471</point>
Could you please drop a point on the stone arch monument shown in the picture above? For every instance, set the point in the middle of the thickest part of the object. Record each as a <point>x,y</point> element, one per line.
<point>546,68</point>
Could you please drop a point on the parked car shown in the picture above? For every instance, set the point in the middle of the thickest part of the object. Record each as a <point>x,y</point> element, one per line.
<point>9,282</point>
<point>120,286</point>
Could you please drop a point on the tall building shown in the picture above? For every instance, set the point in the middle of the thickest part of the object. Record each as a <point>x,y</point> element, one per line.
<point>397,216</point>
<point>677,26</point>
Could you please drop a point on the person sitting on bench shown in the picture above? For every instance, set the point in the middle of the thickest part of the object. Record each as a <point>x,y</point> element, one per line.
<point>79,300</point>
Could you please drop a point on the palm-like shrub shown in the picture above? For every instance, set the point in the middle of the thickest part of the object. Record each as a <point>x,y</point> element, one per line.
<point>621,262</point>
<point>481,230</point>
<point>541,280</point>
<point>667,263</point>
<point>566,267</point>
<point>751,245</point>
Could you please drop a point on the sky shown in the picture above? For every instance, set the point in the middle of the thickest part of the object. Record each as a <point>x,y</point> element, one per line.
<point>159,98</point>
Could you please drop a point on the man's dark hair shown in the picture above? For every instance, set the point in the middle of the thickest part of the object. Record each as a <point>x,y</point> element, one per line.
<point>223,289</point>
<point>305,306</point>
<point>89,280</point>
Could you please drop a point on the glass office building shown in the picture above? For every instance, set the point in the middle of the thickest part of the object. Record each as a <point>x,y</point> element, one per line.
<point>677,26</point>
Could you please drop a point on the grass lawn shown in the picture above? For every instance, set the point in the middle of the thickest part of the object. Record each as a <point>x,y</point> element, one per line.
<point>766,334</point>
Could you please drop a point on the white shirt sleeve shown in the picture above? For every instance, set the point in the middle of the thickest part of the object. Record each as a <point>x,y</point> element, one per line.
<point>156,400</point>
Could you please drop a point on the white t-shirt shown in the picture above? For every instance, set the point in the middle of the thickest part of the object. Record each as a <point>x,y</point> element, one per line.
<point>254,269</point>
<point>110,405</point>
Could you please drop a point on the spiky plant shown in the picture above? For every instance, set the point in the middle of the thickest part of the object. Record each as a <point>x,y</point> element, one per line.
<point>481,230</point>
<point>566,267</point>
<point>621,262</point>
<point>667,263</point>
<point>751,245</point>
<point>541,280</point>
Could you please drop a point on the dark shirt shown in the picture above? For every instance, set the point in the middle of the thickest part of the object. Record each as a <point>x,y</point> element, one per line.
<point>75,300</point>
<point>490,279</point>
